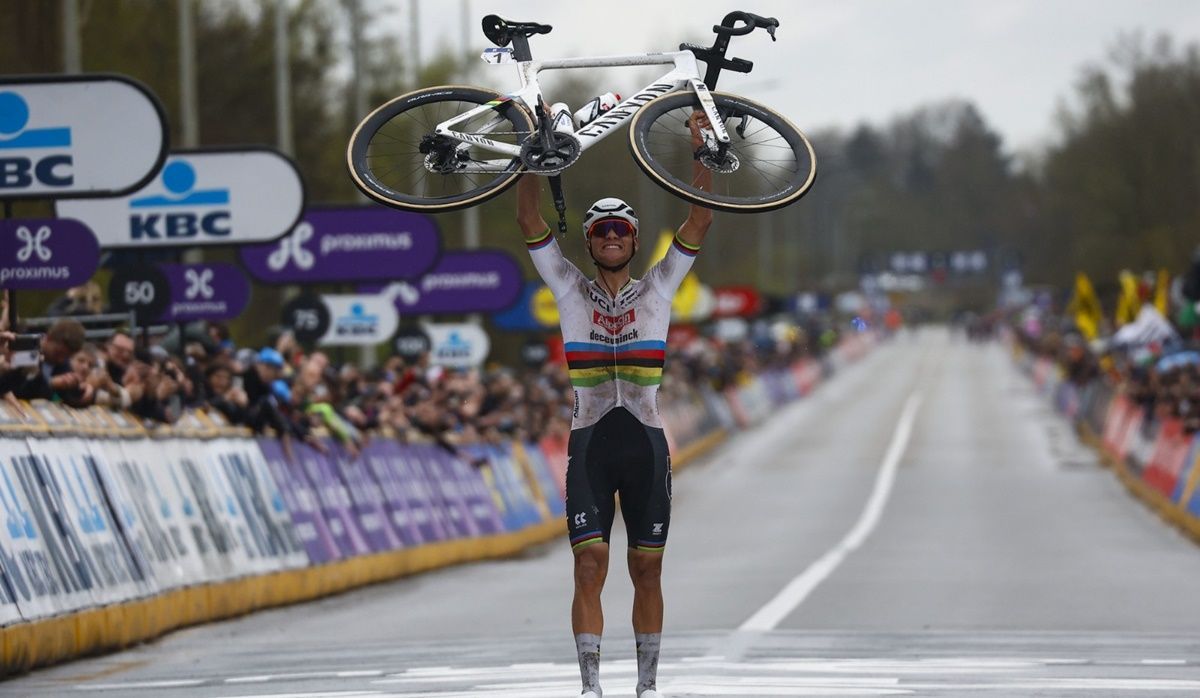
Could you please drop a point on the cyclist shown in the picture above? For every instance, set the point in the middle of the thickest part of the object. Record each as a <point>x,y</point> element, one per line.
<point>615,330</point>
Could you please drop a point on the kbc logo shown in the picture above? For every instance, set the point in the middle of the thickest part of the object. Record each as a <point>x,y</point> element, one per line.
<point>173,214</point>
<point>22,171</point>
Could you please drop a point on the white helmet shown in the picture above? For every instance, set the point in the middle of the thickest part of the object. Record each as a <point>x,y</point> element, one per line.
<point>609,208</point>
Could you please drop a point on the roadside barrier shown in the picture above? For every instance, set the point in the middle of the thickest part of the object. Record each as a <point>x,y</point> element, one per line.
<point>1156,459</point>
<point>112,534</point>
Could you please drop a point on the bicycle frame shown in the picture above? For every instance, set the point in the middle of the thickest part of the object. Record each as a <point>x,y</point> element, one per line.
<point>682,76</point>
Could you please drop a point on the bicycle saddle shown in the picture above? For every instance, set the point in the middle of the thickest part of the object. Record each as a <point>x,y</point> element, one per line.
<point>501,31</point>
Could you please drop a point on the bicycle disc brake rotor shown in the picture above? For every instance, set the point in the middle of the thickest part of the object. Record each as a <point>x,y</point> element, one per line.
<point>721,164</point>
<point>442,154</point>
<point>564,151</point>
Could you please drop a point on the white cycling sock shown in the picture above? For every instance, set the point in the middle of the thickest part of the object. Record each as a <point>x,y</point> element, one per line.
<point>647,660</point>
<point>588,647</point>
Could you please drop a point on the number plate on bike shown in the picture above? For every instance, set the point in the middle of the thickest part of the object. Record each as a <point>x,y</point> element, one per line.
<point>497,55</point>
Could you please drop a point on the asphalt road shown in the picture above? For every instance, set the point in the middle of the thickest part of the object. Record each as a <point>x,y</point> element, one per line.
<point>922,525</point>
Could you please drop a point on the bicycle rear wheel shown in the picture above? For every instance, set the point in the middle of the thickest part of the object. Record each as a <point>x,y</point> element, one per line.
<point>395,158</point>
<point>769,162</point>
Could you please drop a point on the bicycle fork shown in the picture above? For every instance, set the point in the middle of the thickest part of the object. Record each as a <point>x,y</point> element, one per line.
<point>716,138</point>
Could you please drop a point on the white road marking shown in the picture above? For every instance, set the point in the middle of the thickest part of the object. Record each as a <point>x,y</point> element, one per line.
<point>792,595</point>
<point>264,678</point>
<point>711,675</point>
<point>136,685</point>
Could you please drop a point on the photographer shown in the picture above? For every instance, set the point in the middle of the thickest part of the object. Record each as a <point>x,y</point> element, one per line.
<point>51,378</point>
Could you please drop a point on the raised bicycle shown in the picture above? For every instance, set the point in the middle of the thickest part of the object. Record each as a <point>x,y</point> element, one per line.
<point>451,147</point>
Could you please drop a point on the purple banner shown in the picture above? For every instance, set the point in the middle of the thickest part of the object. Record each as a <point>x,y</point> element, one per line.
<point>545,476</point>
<point>302,504</point>
<point>447,491</point>
<point>348,244</point>
<point>462,282</point>
<point>42,253</point>
<point>336,506</point>
<point>505,515</point>
<point>379,455</point>
<point>421,492</point>
<point>209,291</point>
<point>367,500</point>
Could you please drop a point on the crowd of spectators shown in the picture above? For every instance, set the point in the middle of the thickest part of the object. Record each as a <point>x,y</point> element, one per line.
<point>284,389</point>
<point>1161,376</point>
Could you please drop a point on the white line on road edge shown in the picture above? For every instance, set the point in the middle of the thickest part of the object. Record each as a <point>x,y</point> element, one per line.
<point>792,595</point>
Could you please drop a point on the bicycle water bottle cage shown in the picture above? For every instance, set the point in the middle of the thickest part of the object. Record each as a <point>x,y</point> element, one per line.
<point>714,56</point>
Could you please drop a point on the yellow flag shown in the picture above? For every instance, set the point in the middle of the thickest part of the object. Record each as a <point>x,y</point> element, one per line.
<point>1129,303</point>
<point>1085,307</point>
<point>1162,291</point>
<point>683,306</point>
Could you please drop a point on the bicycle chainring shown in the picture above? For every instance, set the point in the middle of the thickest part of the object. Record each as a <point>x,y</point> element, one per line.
<point>564,151</point>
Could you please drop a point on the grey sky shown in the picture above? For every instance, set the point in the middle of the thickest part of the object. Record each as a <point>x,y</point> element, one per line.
<point>846,61</point>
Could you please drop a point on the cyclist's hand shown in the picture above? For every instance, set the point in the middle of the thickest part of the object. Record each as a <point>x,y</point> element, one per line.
<point>697,121</point>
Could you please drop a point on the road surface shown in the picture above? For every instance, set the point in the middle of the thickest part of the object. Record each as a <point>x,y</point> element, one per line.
<point>923,524</point>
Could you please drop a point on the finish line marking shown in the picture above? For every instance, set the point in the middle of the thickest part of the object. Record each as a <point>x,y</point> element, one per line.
<point>797,590</point>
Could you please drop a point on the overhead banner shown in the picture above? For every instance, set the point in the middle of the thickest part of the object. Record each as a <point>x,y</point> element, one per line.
<point>694,301</point>
<point>458,345</point>
<point>348,244</point>
<point>534,310</point>
<point>210,197</point>
<point>44,253</point>
<point>737,301</point>
<point>359,319</point>
<point>210,291</point>
<point>78,136</point>
<point>478,281</point>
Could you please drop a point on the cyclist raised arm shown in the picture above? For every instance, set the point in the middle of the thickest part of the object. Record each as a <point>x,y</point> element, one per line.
<point>614,333</point>
<point>694,229</point>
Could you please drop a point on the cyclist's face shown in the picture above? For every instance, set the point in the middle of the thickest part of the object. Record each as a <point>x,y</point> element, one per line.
<point>611,248</point>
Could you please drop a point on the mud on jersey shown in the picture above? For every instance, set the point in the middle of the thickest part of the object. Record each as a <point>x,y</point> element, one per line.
<point>615,346</point>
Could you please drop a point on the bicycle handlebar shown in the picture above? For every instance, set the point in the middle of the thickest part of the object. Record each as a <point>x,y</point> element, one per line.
<point>728,26</point>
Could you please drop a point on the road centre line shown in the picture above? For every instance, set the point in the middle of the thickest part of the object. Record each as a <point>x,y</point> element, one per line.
<point>797,590</point>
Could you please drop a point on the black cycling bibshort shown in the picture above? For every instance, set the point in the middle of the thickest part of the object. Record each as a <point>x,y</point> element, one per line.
<point>621,455</point>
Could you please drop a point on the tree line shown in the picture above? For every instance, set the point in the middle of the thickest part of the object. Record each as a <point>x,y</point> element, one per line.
<point>1117,187</point>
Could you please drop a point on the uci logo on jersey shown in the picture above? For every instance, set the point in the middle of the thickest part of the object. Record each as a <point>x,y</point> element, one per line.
<point>44,163</point>
<point>183,211</point>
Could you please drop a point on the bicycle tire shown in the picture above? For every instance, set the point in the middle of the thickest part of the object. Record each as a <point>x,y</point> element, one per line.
<point>369,177</point>
<point>791,184</point>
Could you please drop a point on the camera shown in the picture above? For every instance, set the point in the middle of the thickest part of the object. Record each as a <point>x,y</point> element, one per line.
<point>26,350</point>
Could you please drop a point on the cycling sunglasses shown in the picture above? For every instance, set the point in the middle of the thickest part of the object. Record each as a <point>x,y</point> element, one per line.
<point>601,228</point>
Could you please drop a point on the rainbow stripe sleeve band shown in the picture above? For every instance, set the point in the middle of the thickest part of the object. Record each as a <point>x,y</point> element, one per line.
<point>539,241</point>
<point>685,248</point>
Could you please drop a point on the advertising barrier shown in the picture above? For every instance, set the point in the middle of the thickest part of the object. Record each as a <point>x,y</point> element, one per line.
<point>147,531</point>
<point>1156,460</point>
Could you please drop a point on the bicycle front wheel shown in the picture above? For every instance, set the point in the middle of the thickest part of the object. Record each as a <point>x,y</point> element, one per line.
<point>768,165</point>
<point>396,158</point>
